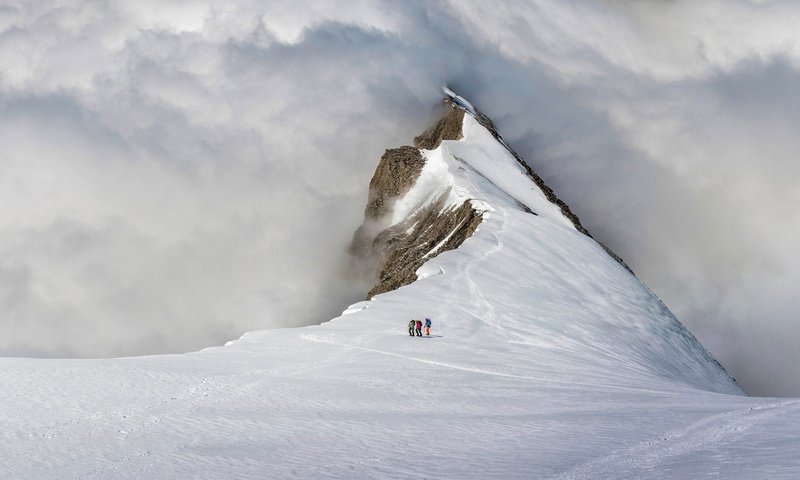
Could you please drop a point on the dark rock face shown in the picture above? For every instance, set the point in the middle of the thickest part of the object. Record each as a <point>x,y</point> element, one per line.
<point>447,128</point>
<point>404,247</point>
<point>397,172</point>
<point>395,253</point>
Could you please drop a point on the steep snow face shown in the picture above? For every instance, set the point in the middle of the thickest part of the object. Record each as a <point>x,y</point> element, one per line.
<point>547,359</point>
<point>505,183</point>
<point>579,290</point>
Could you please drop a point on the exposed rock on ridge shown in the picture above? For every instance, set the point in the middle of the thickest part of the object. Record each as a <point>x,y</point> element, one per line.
<point>394,252</point>
<point>447,128</point>
<point>404,247</point>
<point>397,172</point>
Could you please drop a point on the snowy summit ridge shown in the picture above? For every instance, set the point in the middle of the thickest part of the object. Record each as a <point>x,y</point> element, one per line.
<point>460,177</point>
<point>409,219</point>
<point>547,359</point>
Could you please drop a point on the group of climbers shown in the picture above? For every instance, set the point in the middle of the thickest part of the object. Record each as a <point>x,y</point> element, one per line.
<point>415,327</point>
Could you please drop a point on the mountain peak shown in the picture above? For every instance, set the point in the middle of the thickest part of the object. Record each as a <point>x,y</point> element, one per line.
<point>425,200</point>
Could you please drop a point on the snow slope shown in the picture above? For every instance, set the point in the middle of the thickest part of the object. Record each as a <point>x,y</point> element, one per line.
<point>547,360</point>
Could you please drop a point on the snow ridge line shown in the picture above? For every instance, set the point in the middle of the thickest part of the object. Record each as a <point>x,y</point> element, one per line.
<point>487,123</point>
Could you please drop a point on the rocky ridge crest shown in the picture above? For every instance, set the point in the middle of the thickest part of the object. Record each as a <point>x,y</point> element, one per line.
<point>394,252</point>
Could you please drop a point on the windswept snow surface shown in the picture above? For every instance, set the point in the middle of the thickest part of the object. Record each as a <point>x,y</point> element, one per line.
<point>547,359</point>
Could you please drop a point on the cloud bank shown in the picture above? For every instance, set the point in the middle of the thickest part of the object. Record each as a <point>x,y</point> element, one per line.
<point>174,175</point>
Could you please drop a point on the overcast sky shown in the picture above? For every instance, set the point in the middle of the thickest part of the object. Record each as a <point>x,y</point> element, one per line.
<point>172,175</point>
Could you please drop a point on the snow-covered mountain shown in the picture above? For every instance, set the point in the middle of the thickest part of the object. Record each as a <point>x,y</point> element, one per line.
<point>548,358</point>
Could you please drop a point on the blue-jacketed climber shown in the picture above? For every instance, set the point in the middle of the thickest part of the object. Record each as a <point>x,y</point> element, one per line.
<point>427,326</point>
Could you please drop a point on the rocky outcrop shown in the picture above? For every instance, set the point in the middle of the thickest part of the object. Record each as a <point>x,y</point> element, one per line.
<point>394,252</point>
<point>404,247</point>
<point>397,172</point>
<point>447,128</point>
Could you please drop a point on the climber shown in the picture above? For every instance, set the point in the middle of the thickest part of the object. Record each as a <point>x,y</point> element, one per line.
<point>419,328</point>
<point>411,326</point>
<point>427,326</point>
